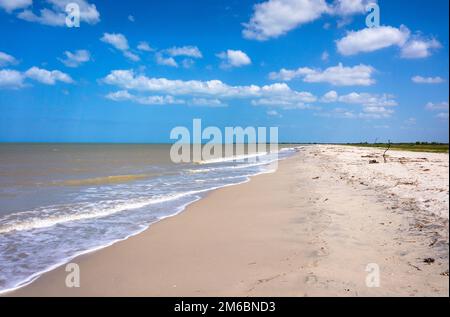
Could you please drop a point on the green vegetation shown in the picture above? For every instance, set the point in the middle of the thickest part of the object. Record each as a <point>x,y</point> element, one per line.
<point>415,147</point>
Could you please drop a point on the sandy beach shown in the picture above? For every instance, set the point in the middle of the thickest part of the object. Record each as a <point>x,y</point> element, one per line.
<point>309,229</point>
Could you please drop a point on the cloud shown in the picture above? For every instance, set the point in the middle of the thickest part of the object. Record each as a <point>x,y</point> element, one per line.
<point>187,62</point>
<point>365,99</point>
<point>15,79</point>
<point>11,79</point>
<point>166,56</point>
<point>131,56</point>
<point>287,103</point>
<point>6,59</point>
<point>189,51</point>
<point>131,18</point>
<point>441,107</point>
<point>274,18</point>
<point>123,95</point>
<point>166,61</point>
<point>56,15</point>
<point>378,111</point>
<point>437,106</point>
<point>350,7</point>
<point>273,113</point>
<point>11,5</point>
<point>374,106</point>
<point>76,58</point>
<point>419,48</point>
<point>325,56</point>
<point>120,42</point>
<point>143,46</point>
<point>331,96</point>
<point>234,58</point>
<point>367,113</point>
<point>359,75</point>
<point>207,102</point>
<point>46,17</point>
<point>372,39</point>
<point>427,80</point>
<point>213,91</point>
<point>47,77</point>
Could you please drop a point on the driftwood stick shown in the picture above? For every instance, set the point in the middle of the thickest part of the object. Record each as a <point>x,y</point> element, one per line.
<point>384,154</point>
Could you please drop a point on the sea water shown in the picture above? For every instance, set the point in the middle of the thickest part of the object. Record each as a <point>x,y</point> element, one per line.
<point>58,201</point>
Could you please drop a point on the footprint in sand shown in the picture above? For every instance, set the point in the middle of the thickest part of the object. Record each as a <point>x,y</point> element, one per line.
<point>311,279</point>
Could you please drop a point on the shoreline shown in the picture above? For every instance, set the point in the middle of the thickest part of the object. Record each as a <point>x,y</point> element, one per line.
<point>286,233</point>
<point>68,260</point>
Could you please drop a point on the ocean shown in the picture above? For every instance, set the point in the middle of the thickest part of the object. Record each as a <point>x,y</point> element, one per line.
<point>58,201</point>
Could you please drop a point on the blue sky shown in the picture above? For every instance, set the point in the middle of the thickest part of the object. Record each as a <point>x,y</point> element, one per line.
<point>134,70</point>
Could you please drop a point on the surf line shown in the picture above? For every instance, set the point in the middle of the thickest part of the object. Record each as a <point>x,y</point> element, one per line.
<point>207,144</point>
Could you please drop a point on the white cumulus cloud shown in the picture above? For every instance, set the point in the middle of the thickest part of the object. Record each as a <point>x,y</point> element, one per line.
<point>427,80</point>
<point>350,7</point>
<point>207,102</point>
<point>123,95</point>
<point>419,48</point>
<point>120,42</point>
<point>11,79</point>
<point>364,99</point>
<point>437,106</point>
<point>145,47</point>
<point>372,39</point>
<point>234,58</point>
<point>359,75</point>
<point>76,58</point>
<point>6,59</point>
<point>189,51</point>
<point>274,18</point>
<point>56,15</point>
<point>166,61</point>
<point>47,77</point>
<point>211,92</point>
<point>16,79</point>
<point>11,5</point>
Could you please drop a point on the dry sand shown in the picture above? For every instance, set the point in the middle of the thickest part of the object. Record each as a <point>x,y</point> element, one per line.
<point>309,229</point>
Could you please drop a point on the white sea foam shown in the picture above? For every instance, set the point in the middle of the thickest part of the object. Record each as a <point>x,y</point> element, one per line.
<point>98,210</point>
<point>236,158</point>
<point>58,233</point>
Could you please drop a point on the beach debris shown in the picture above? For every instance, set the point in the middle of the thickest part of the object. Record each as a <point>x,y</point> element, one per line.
<point>406,183</point>
<point>317,177</point>
<point>428,260</point>
<point>433,242</point>
<point>445,273</point>
<point>373,162</point>
<point>414,266</point>
<point>384,154</point>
